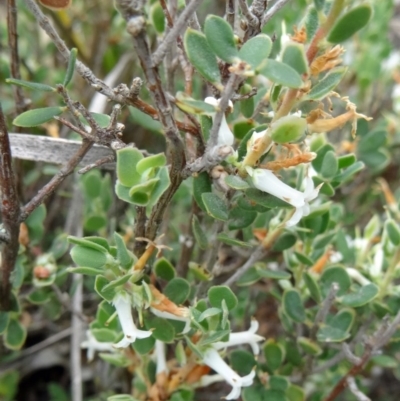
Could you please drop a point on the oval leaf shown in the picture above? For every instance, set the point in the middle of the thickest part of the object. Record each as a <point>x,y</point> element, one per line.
<point>32,118</point>
<point>294,55</point>
<point>293,306</point>
<point>282,74</point>
<point>327,84</point>
<point>220,37</point>
<point>256,50</point>
<point>215,206</point>
<point>350,23</point>
<point>220,293</point>
<point>201,56</point>
<point>363,296</point>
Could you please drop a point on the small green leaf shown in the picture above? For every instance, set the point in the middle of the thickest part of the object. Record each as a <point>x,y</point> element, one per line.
<point>350,23</point>
<point>124,257</point>
<point>89,271</point>
<point>331,334</point>
<point>219,293</point>
<point>201,185</point>
<point>177,290</point>
<point>161,186</point>
<point>210,312</point>
<point>215,206</point>
<point>349,172</point>
<point>84,256</point>
<point>158,17</point>
<point>15,336</point>
<point>164,269</point>
<point>119,282</point>
<point>346,160</point>
<point>152,161</point>
<point>127,160</point>
<point>201,56</point>
<point>393,231</point>
<point>293,306</point>
<point>39,296</point>
<point>295,393</point>
<point>99,284</point>
<point>30,85</point>
<point>220,38</point>
<point>32,118</point>
<point>256,50</point>
<point>162,329</point>
<point>199,235</point>
<point>71,66</point>
<point>311,22</point>
<point>96,243</point>
<point>274,354</point>
<point>239,218</point>
<point>266,200</point>
<point>327,84</point>
<point>282,74</point>
<point>236,182</point>
<point>242,361</point>
<point>363,296</point>
<point>232,241</point>
<point>265,272</point>
<point>329,166</point>
<point>101,119</point>
<point>372,141</point>
<point>294,56</point>
<point>288,129</point>
<point>144,345</point>
<point>285,241</point>
<point>309,346</point>
<point>335,274</point>
<point>312,287</point>
<point>4,319</point>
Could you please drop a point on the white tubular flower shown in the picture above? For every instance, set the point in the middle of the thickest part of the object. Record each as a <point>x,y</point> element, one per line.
<point>93,345</point>
<point>123,306</point>
<point>243,337</point>
<point>267,181</point>
<point>225,135</point>
<point>168,315</point>
<point>357,276</point>
<point>161,361</point>
<point>214,360</point>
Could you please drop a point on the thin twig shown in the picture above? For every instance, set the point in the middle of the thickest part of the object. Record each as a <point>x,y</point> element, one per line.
<point>258,254</point>
<point>227,93</point>
<point>273,10</point>
<point>230,12</point>
<point>193,20</point>
<point>175,31</point>
<point>10,213</point>
<point>324,309</point>
<point>98,163</point>
<point>251,18</point>
<point>54,183</point>
<point>21,103</point>
<point>356,391</point>
<point>74,227</point>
